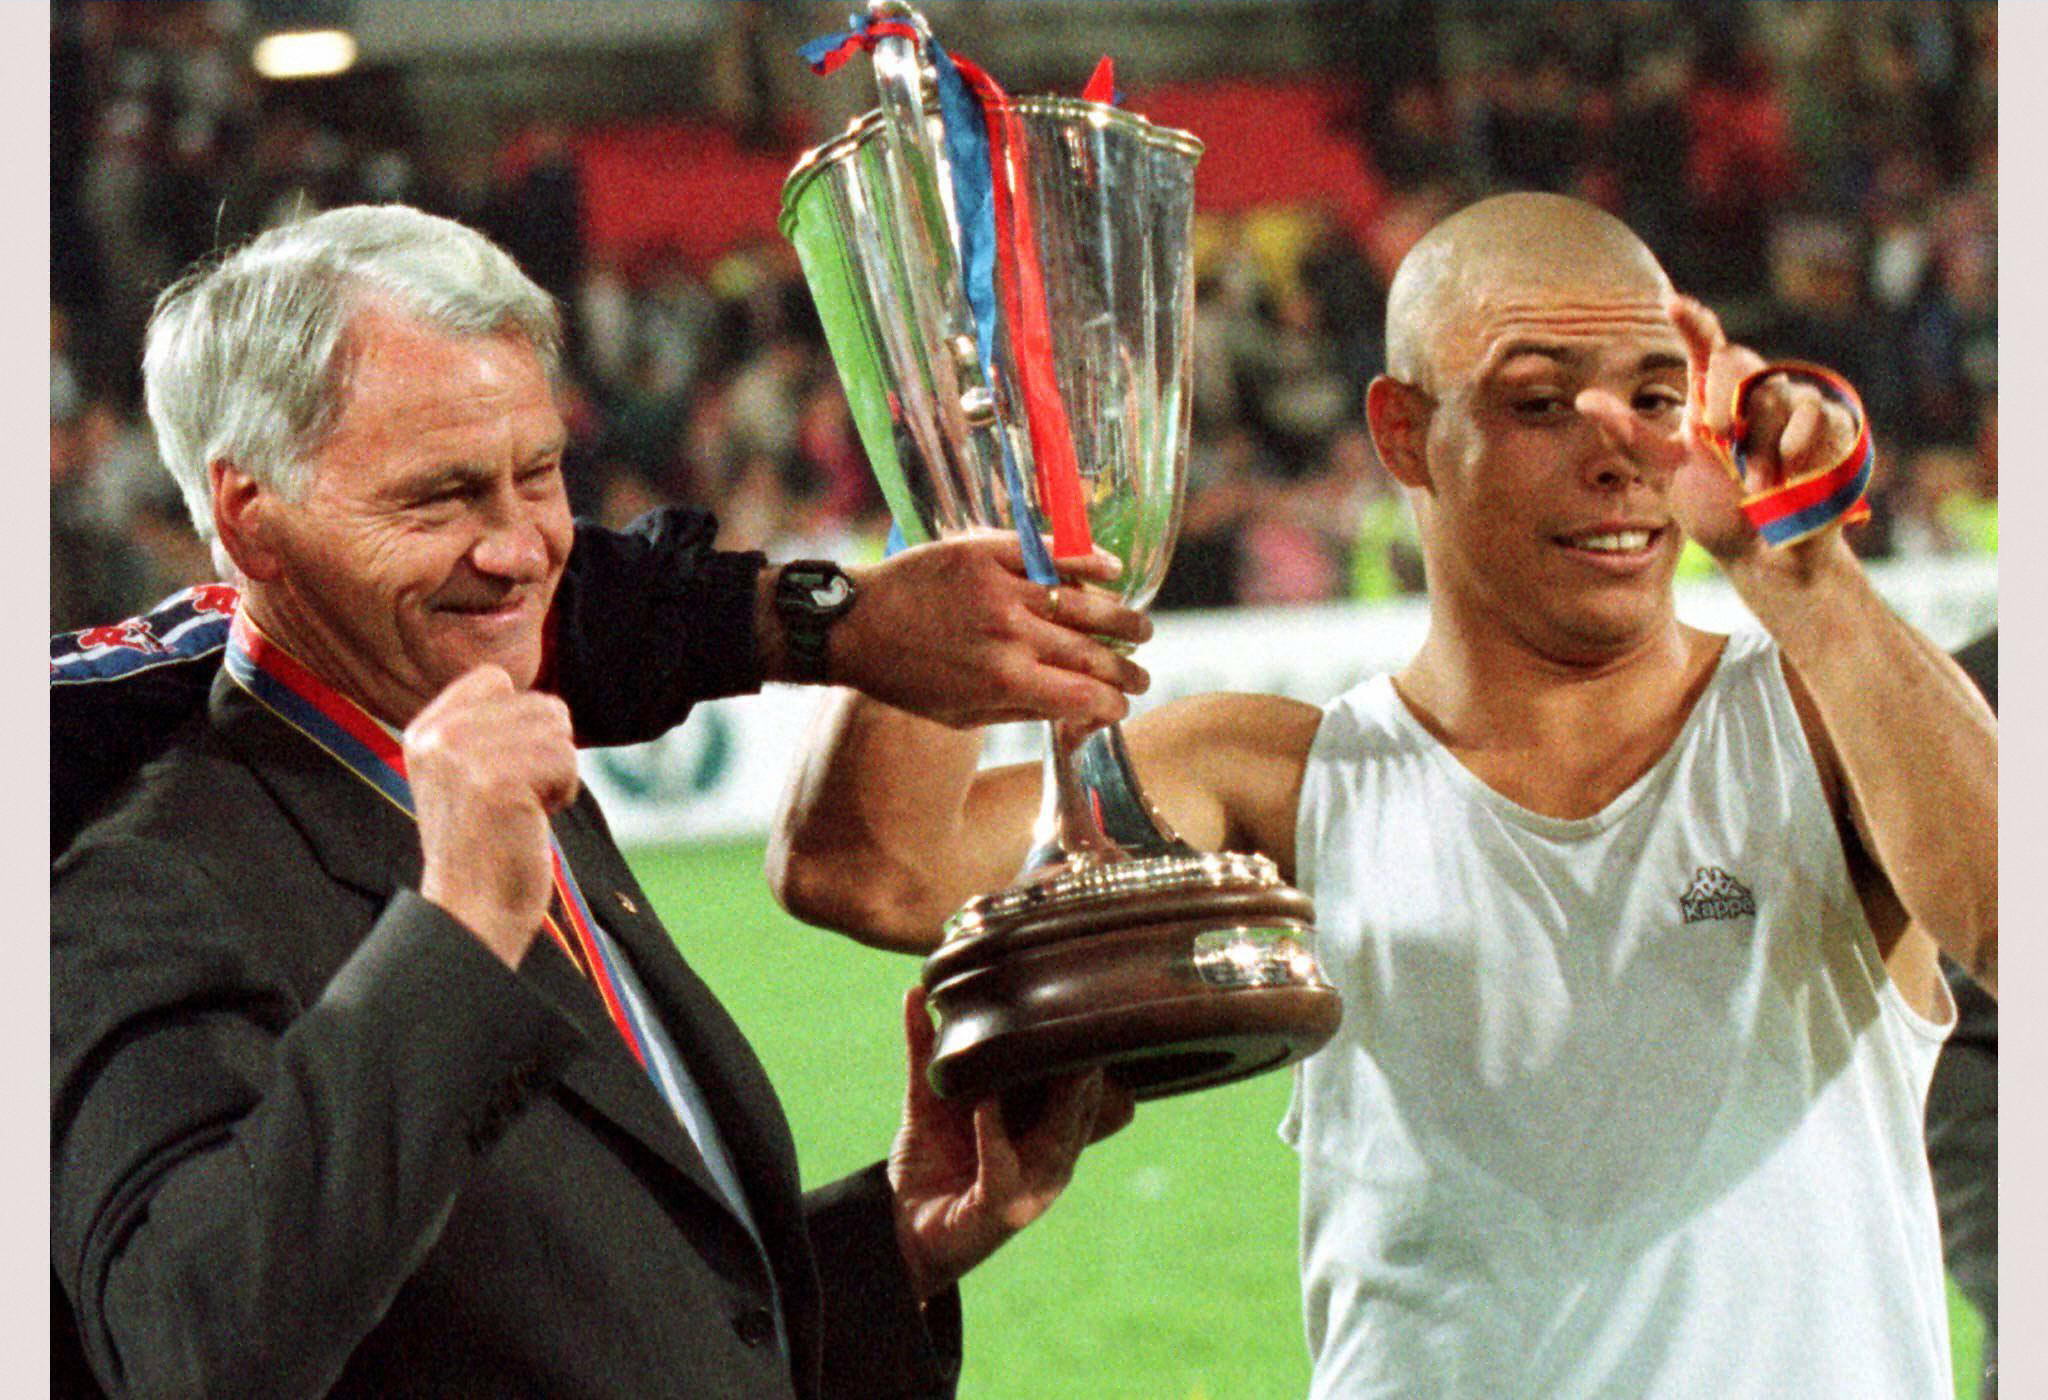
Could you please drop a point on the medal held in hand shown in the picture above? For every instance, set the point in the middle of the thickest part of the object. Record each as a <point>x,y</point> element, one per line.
<point>1007,287</point>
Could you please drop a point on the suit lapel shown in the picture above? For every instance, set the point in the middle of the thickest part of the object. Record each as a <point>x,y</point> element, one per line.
<point>750,1120</point>
<point>606,1078</point>
<point>363,841</point>
<point>359,837</point>
<point>743,1104</point>
<point>735,1086</point>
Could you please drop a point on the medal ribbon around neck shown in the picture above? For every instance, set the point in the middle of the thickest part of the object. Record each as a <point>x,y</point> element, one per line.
<point>279,682</point>
<point>1806,504</point>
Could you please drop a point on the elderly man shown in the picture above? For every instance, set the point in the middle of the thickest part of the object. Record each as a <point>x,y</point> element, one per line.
<point>1635,925</point>
<point>373,1072</point>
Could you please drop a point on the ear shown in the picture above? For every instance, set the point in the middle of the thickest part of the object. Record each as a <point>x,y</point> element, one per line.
<point>1398,415</point>
<point>245,521</point>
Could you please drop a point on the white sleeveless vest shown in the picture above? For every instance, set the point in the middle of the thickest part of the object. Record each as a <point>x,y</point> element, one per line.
<point>1622,1106</point>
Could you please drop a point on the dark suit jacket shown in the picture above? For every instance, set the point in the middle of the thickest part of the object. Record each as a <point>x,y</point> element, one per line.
<point>309,1135</point>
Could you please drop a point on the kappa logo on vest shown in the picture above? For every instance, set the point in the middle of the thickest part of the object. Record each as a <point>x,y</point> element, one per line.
<point>1715,894</point>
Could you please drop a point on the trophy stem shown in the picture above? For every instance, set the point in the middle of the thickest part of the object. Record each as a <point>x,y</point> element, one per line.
<point>1068,834</point>
<point>1091,809</point>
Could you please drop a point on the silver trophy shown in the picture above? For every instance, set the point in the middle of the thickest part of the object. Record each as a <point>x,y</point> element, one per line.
<point>1119,944</point>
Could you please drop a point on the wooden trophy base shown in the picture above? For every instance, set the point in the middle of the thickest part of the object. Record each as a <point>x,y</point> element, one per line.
<point>1175,972</point>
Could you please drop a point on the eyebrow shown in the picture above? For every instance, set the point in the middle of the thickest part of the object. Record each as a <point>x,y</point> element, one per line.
<point>1651,362</point>
<point>553,447</point>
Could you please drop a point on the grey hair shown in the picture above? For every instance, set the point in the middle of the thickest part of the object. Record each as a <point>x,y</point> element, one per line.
<point>241,363</point>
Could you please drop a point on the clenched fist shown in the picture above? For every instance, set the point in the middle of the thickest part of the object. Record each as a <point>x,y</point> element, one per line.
<point>488,763</point>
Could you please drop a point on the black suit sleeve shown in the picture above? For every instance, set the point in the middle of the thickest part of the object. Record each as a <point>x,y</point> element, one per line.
<point>1962,1143</point>
<point>649,621</point>
<point>878,1343</point>
<point>240,1183</point>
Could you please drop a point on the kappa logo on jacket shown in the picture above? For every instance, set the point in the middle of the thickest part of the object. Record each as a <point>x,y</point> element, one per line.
<point>1715,894</point>
<point>189,623</point>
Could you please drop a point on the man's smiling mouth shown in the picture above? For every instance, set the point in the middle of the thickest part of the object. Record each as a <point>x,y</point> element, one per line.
<point>490,607</point>
<point>1614,541</point>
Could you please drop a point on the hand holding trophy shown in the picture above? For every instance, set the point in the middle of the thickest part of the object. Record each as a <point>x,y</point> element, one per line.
<point>1007,287</point>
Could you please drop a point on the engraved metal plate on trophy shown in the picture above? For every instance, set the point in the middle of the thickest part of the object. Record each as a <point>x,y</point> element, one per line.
<point>1119,944</point>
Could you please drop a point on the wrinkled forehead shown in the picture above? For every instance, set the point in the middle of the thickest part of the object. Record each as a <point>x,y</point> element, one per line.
<point>1484,319</point>
<point>1514,264</point>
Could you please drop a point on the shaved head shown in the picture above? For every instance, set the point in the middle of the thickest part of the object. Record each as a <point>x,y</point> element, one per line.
<point>1509,247</point>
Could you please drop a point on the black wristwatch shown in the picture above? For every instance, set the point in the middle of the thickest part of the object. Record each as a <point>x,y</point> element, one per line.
<point>810,595</point>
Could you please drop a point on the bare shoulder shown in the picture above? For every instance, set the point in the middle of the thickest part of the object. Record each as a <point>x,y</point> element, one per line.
<point>1227,768</point>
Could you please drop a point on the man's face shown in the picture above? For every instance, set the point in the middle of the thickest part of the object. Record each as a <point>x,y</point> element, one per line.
<point>1550,449</point>
<point>435,526</point>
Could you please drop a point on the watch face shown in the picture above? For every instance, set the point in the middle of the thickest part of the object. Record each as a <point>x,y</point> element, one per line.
<point>831,592</point>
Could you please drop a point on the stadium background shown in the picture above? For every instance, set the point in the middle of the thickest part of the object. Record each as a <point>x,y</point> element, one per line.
<point>1823,173</point>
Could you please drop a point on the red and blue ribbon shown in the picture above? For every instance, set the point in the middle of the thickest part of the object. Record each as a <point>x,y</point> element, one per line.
<point>1022,285</point>
<point>1102,84</point>
<point>1000,267</point>
<point>828,52</point>
<point>1805,505</point>
<point>279,682</point>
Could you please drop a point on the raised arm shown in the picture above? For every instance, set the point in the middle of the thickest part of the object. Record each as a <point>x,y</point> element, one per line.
<point>1906,744</point>
<point>874,836</point>
<point>650,620</point>
<point>887,826</point>
<point>647,621</point>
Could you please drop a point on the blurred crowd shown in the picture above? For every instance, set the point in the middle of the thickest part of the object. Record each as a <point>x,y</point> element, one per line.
<point>1824,175</point>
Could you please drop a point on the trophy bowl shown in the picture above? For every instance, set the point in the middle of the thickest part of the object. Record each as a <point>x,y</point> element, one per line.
<point>1050,397</point>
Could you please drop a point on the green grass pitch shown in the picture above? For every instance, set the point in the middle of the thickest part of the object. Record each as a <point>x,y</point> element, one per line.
<point>1167,1270</point>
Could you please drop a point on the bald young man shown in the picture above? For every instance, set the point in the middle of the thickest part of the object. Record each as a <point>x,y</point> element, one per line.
<point>1635,924</point>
